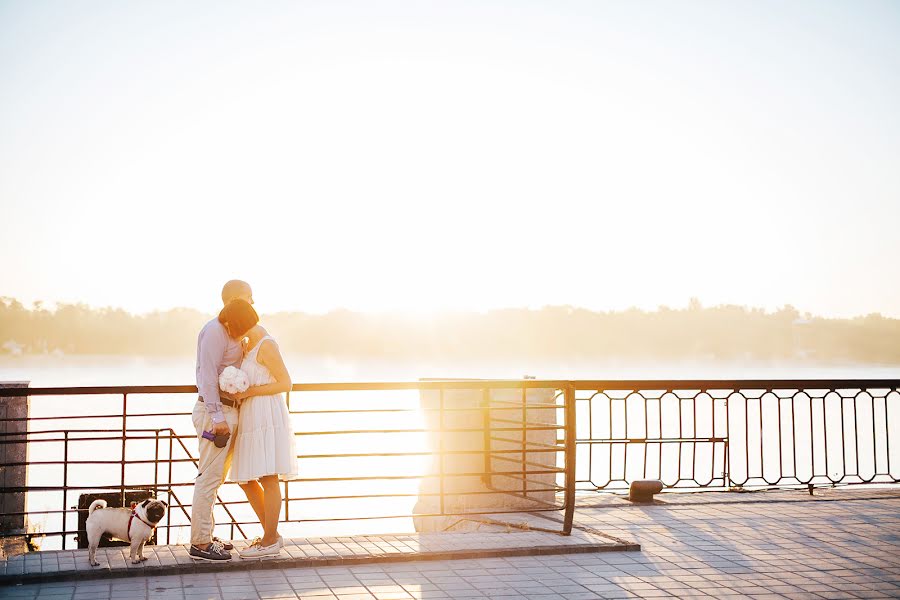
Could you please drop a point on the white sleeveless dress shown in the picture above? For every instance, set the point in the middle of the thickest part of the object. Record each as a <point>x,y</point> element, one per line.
<point>264,443</point>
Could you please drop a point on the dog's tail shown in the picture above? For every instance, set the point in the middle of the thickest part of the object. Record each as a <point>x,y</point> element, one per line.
<point>95,505</point>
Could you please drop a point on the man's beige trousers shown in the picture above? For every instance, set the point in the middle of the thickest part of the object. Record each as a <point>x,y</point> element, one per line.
<point>214,466</point>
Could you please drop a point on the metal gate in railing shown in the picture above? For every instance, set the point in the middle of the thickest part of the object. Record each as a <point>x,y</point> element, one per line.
<point>722,434</point>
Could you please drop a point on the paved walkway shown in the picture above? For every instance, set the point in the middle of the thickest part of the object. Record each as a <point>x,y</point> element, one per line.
<point>73,565</point>
<point>844,544</point>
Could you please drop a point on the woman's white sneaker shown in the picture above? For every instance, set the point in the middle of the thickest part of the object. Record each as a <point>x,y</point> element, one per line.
<point>258,551</point>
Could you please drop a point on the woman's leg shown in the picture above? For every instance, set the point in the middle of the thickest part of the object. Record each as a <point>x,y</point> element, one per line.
<point>272,492</point>
<point>255,495</point>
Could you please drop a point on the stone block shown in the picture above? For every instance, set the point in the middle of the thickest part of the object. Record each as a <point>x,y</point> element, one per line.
<point>12,475</point>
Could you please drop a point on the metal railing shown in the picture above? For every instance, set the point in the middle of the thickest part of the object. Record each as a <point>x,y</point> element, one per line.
<point>524,462</point>
<point>738,433</point>
<point>513,444</point>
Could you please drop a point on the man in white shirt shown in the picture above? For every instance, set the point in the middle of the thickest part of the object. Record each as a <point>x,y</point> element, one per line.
<point>215,351</point>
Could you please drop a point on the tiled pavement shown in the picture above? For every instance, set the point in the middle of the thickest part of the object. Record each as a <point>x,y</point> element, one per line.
<point>308,552</point>
<point>771,545</point>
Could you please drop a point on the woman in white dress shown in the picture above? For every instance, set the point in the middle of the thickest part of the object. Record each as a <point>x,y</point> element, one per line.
<point>265,451</point>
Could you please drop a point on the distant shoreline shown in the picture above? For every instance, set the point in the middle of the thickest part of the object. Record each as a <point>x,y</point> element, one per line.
<point>99,369</point>
<point>553,334</point>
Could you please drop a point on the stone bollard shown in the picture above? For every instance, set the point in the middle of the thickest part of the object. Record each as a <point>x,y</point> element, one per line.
<point>13,504</point>
<point>642,490</point>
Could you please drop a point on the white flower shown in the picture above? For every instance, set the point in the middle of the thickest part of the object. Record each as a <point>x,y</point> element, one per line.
<point>233,380</point>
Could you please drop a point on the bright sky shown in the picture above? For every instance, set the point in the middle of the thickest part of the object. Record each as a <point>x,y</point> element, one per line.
<point>461,155</point>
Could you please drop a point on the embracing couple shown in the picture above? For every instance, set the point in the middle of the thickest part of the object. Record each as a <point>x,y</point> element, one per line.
<point>252,431</point>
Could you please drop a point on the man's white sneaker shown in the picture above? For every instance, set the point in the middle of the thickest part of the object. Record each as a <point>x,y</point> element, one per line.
<point>259,551</point>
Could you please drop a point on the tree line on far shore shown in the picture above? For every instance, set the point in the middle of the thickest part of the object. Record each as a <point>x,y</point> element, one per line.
<point>725,332</point>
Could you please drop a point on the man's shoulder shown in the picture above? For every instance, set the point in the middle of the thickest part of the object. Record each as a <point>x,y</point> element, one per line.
<point>212,329</point>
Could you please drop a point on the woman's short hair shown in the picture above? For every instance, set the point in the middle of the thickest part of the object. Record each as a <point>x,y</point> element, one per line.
<point>240,316</point>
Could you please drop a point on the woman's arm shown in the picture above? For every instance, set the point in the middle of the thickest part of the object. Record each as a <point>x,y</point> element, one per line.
<point>270,357</point>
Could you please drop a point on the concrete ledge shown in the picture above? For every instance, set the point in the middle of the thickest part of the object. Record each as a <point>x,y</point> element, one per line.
<point>44,567</point>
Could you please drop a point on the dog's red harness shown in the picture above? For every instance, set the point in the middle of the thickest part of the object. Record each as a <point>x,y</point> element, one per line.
<point>132,517</point>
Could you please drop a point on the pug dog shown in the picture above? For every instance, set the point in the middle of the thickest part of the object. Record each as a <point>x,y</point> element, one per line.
<point>133,525</point>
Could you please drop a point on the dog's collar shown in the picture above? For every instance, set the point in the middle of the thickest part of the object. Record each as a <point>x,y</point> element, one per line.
<point>132,517</point>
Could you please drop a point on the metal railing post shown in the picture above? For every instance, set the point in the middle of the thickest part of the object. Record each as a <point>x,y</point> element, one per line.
<point>124,423</point>
<point>441,434</point>
<point>726,466</point>
<point>169,489</point>
<point>569,403</point>
<point>65,485</point>
<point>486,423</point>
<point>156,464</point>
<point>524,441</point>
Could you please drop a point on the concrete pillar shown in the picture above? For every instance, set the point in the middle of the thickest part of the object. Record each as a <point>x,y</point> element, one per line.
<point>15,407</point>
<point>503,487</point>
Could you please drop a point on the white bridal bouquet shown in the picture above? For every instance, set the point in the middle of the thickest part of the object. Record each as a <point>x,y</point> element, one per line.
<point>233,380</point>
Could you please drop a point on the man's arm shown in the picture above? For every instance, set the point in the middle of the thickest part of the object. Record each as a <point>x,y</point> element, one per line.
<point>210,353</point>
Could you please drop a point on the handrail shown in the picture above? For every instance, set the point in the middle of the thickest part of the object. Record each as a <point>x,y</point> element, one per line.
<point>455,384</point>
